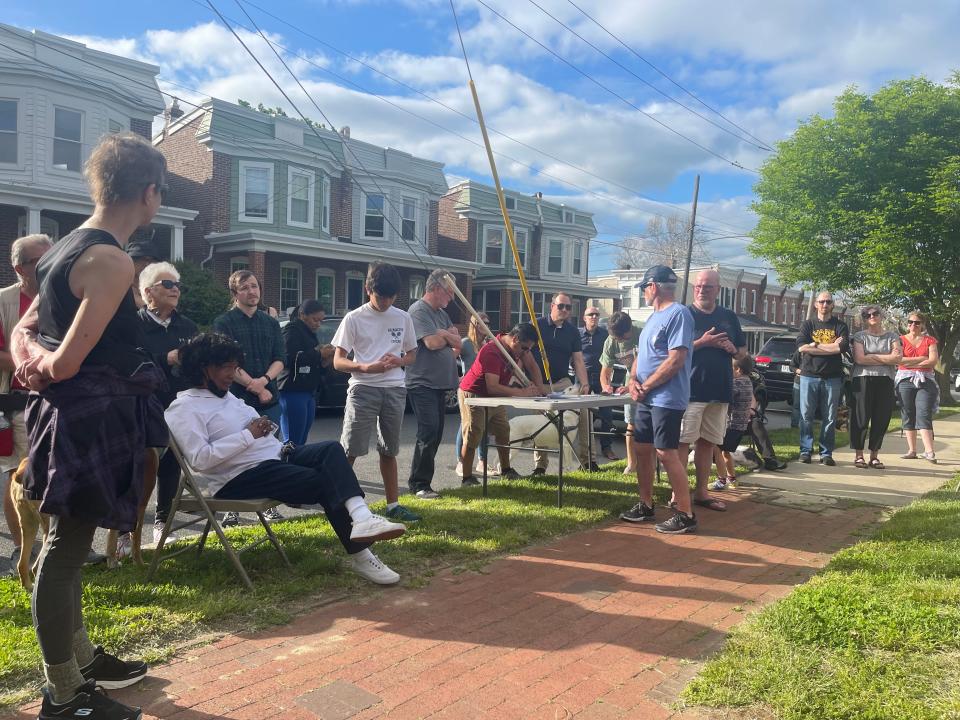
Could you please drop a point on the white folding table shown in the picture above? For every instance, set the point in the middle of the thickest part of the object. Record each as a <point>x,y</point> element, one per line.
<point>553,409</point>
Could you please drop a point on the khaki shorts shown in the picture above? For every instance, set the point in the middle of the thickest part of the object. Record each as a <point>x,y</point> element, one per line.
<point>369,406</point>
<point>20,443</point>
<point>704,420</point>
<point>472,420</point>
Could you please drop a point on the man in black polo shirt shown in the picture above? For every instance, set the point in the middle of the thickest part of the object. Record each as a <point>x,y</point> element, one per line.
<point>592,338</point>
<point>561,339</point>
<point>717,340</point>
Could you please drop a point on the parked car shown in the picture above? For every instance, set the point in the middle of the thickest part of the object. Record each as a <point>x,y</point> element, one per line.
<point>773,363</point>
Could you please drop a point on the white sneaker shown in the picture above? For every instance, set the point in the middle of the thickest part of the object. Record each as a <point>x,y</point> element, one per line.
<point>459,470</point>
<point>368,566</point>
<point>376,527</point>
<point>158,531</point>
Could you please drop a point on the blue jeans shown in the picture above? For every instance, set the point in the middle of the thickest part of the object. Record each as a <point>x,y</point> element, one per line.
<point>299,409</point>
<point>822,393</point>
<point>481,450</point>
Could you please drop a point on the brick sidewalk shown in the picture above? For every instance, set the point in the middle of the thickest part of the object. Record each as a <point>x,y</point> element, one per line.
<point>607,623</point>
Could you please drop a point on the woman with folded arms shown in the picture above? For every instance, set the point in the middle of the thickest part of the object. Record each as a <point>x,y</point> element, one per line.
<point>917,386</point>
<point>876,353</point>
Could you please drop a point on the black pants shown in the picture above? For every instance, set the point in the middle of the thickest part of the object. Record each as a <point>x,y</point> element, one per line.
<point>168,477</point>
<point>314,474</point>
<point>57,610</point>
<point>758,431</point>
<point>872,407</point>
<point>604,414</point>
<point>429,407</point>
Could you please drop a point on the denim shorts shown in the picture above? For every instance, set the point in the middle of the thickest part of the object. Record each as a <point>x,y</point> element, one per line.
<point>658,426</point>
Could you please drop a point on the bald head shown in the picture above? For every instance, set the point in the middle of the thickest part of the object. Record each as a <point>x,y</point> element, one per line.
<point>824,305</point>
<point>706,288</point>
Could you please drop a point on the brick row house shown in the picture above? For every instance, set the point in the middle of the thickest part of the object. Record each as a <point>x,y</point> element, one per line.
<point>57,99</point>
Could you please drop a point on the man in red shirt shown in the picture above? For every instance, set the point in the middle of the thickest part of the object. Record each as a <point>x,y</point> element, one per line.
<point>25,252</point>
<point>492,376</point>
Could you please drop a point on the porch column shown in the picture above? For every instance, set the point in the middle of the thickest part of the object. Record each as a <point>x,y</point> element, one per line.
<point>33,221</point>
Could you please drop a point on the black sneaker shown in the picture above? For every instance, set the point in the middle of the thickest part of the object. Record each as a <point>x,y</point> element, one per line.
<point>774,464</point>
<point>827,460</point>
<point>538,471</point>
<point>469,481</point>
<point>638,513</point>
<point>111,672</point>
<point>90,703</point>
<point>805,458</point>
<point>509,474</point>
<point>678,524</point>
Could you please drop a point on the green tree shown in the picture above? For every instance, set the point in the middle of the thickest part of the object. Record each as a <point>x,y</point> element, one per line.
<point>205,298</point>
<point>868,202</point>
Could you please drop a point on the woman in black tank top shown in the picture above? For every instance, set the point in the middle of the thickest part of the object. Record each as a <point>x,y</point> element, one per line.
<point>90,417</point>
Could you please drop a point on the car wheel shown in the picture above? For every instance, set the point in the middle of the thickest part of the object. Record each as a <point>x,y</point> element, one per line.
<point>450,402</point>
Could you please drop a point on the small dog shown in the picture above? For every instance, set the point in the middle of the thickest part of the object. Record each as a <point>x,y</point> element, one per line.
<point>523,426</point>
<point>31,520</point>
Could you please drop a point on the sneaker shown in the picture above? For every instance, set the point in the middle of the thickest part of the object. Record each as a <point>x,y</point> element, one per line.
<point>492,468</point>
<point>909,456</point>
<point>272,514</point>
<point>90,703</point>
<point>469,481</point>
<point>773,464</point>
<point>538,471</point>
<point>93,558</point>
<point>678,524</point>
<point>427,494</point>
<point>629,470</point>
<point>805,458</point>
<point>376,527</point>
<point>230,519</point>
<point>930,457</point>
<point>594,467</point>
<point>112,673</point>
<point>368,566</point>
<point>638,513</point>
<point>827,460</point>
<point>458,471</point>
<point>124,547</point>
<point>158,531</point>
<point>718,484</point>
<point>401,514</point>
<point>510,474</point>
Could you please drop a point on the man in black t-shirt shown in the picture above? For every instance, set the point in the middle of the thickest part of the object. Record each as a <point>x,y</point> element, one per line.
<point>821,343</point>
<point>561,339</point>
<point>717,340</point>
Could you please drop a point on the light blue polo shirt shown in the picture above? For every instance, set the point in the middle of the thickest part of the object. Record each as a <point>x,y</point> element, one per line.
<point>667,330</point>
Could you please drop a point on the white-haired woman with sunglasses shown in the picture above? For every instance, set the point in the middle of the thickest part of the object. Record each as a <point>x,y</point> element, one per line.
<point>165,331</point>
<point>917,386</point>
<point>876,353</point>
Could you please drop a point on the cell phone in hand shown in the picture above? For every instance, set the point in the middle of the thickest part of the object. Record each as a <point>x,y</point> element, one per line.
<point>274,428</point>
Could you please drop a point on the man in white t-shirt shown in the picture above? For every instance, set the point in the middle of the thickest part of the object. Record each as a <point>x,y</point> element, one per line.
<point>383,341</point>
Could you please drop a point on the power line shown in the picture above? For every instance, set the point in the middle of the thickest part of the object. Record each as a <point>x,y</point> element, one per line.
<point>662,73</point>
<point>647,83</point>
<point>617,95</point>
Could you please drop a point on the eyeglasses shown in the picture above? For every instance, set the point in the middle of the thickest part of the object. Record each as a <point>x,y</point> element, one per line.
<point>170,284</point>
<point>563,306</point>
<point>824,302</point>
<point>705,287</point>
<point>593,315</point>
<point>914,322</point>
<point>871,314</point>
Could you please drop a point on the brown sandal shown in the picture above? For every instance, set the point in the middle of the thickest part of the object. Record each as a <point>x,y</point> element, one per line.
<point>876,464</point>
<point>860,463</point>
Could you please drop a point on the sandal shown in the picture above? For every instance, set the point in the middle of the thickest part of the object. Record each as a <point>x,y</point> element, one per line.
<point>876,464</point>
<point>909,456</point>
<point>861,463</point>
<point>711,504</point>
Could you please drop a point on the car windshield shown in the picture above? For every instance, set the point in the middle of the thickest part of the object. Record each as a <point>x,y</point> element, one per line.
<point>327,330</point>
<point>779,347</point>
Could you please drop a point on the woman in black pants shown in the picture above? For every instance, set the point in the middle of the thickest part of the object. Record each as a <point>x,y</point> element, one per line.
<point>876,353</point>
<point>90,416</point>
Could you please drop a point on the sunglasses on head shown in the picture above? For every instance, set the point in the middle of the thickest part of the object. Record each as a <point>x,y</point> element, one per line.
<point>563,306</point>
<point>169,284</point>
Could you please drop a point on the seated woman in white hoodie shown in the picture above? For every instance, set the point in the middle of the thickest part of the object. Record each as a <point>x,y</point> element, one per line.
<point>234,450</point>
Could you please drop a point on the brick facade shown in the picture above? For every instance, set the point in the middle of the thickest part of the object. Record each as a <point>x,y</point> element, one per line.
<point>341,206</point>
<point>456,236</point>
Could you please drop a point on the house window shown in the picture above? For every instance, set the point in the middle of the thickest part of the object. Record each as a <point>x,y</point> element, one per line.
<point>520,236</point>
<point>555,257</point>
<point>793,314</point>
<point>416,287</point>
<point>373,218</point>
<point>577,258</point>
<point>569,217</point>
<point>115,126</point>
<point>8,132</point>
<point>743,299</point>
<point>354,290</point>
<point>289,285</point>
<point>510,202</point>
<point>488,301</point>
<point>753,306</point>
<point>239,263</point>
<point>256,192</point>
<point>408,223</point>
<point>766,308</point>
<point>493,246</point>
<point>67,134</point>
<point>325,288</point>
<point>48,226</point>
<point>300,197</point>
<point>325,205</point>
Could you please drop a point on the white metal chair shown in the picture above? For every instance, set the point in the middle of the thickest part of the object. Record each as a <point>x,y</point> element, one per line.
<point>190,499</point>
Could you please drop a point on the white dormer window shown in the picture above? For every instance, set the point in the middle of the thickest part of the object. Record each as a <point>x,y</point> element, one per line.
<point>569,217</point>
<point>9,141</point>
<point>408,223</point>
<point>578,258</point>
<point>67,139</point>
<point>300,197</point>
<point>256,192</point>
<point>373,217</point>
<point>493,246</point>
<point>555,256</point>
<point>511,202</point>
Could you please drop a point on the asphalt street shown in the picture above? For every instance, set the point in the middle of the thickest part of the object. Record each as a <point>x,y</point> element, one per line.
<point>327,427</point>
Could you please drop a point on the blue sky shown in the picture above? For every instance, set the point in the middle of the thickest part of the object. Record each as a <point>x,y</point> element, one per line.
<point>764,66</point>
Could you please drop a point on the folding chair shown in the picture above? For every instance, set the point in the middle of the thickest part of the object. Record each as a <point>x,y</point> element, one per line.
<point>190,499</point>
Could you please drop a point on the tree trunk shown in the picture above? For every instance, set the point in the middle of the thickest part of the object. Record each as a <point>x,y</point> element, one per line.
<point>948,344</point>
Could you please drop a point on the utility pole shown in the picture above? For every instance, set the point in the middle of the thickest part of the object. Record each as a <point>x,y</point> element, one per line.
<point>693,225</point>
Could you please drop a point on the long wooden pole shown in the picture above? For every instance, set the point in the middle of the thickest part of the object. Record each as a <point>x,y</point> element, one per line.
<point>693,226</point>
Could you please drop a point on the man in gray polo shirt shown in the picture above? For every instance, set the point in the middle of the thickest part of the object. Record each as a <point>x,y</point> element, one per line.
<point>428,379</point>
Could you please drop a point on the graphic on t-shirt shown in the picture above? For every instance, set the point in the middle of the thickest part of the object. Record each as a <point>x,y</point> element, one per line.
<point>396,335</point>
<point>824,336</point>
